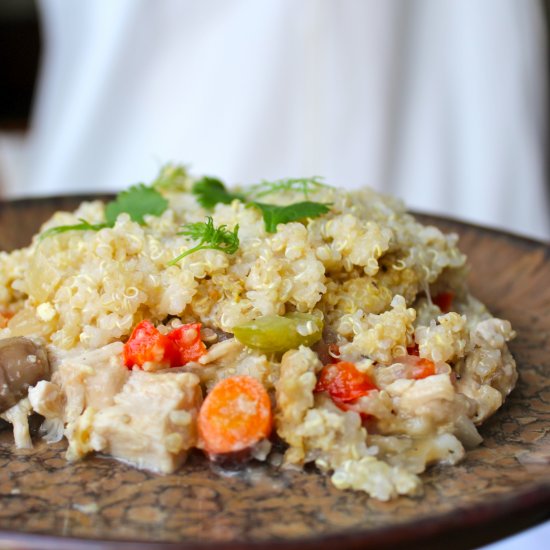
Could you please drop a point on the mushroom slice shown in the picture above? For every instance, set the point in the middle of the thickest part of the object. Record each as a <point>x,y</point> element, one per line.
<point>23,363</point>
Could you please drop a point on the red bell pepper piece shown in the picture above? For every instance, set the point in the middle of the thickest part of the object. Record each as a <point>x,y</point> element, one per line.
<point>188,343</point>
<point>147,344</point>
<point>444,301</point>
<point>423,368</point>
<point>344,382</point>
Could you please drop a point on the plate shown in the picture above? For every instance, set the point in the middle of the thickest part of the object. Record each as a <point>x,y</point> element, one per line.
<point>501,487</point>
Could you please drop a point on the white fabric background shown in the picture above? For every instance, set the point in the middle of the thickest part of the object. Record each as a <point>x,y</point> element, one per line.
<point>441,102</point>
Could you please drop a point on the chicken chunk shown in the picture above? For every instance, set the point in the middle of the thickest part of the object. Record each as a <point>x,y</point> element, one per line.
<point>152,423</point>
<point>90,378</point>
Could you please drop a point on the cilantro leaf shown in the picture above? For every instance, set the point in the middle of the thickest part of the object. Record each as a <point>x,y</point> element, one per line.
<point>274,215</point>
<point>305,185</point>
<point>216,238</point>
<point>82,226</point>
<point>137,201</point>
<point>210,191</point>
<point>172,177</point>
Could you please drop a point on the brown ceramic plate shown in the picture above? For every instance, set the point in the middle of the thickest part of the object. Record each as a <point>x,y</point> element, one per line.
<point>501,487</point>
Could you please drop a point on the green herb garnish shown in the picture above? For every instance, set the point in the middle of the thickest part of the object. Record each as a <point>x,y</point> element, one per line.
<point>172,177</point>
<point>305,185</point>
<point>137,201</point>
<point>82,226</point>
<point>274,215</point>
<point>210,191</point>
<point>141,200</point>
<point>215,238</point>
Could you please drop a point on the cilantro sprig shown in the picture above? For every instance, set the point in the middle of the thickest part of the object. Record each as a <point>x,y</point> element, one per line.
<point>304,185</point>
<point>172,177</point>
<point>209,237</point>
<point>137,201</point>
<point>274,215</point>
<point>82,226</point>
<point>141,200</point>
<point>211,191</point>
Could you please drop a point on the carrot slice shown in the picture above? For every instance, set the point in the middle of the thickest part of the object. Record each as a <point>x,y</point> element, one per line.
<point>235,415</point>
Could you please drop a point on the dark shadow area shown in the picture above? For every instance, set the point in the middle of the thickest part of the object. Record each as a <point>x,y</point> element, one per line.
<point>19,59</point>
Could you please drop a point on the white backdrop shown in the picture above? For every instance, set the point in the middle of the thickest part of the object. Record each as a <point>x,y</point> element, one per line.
<point>442,102</point>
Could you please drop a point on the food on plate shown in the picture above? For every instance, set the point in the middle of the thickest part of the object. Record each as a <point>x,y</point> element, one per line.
<point>23,363</point>
<point>288,321</point>
<point>235,415</point>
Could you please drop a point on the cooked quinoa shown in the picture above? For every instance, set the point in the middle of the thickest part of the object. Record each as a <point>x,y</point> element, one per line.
<point>389,293</point>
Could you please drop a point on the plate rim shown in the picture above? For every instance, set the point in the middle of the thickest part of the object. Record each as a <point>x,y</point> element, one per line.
<point>432,535</point>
